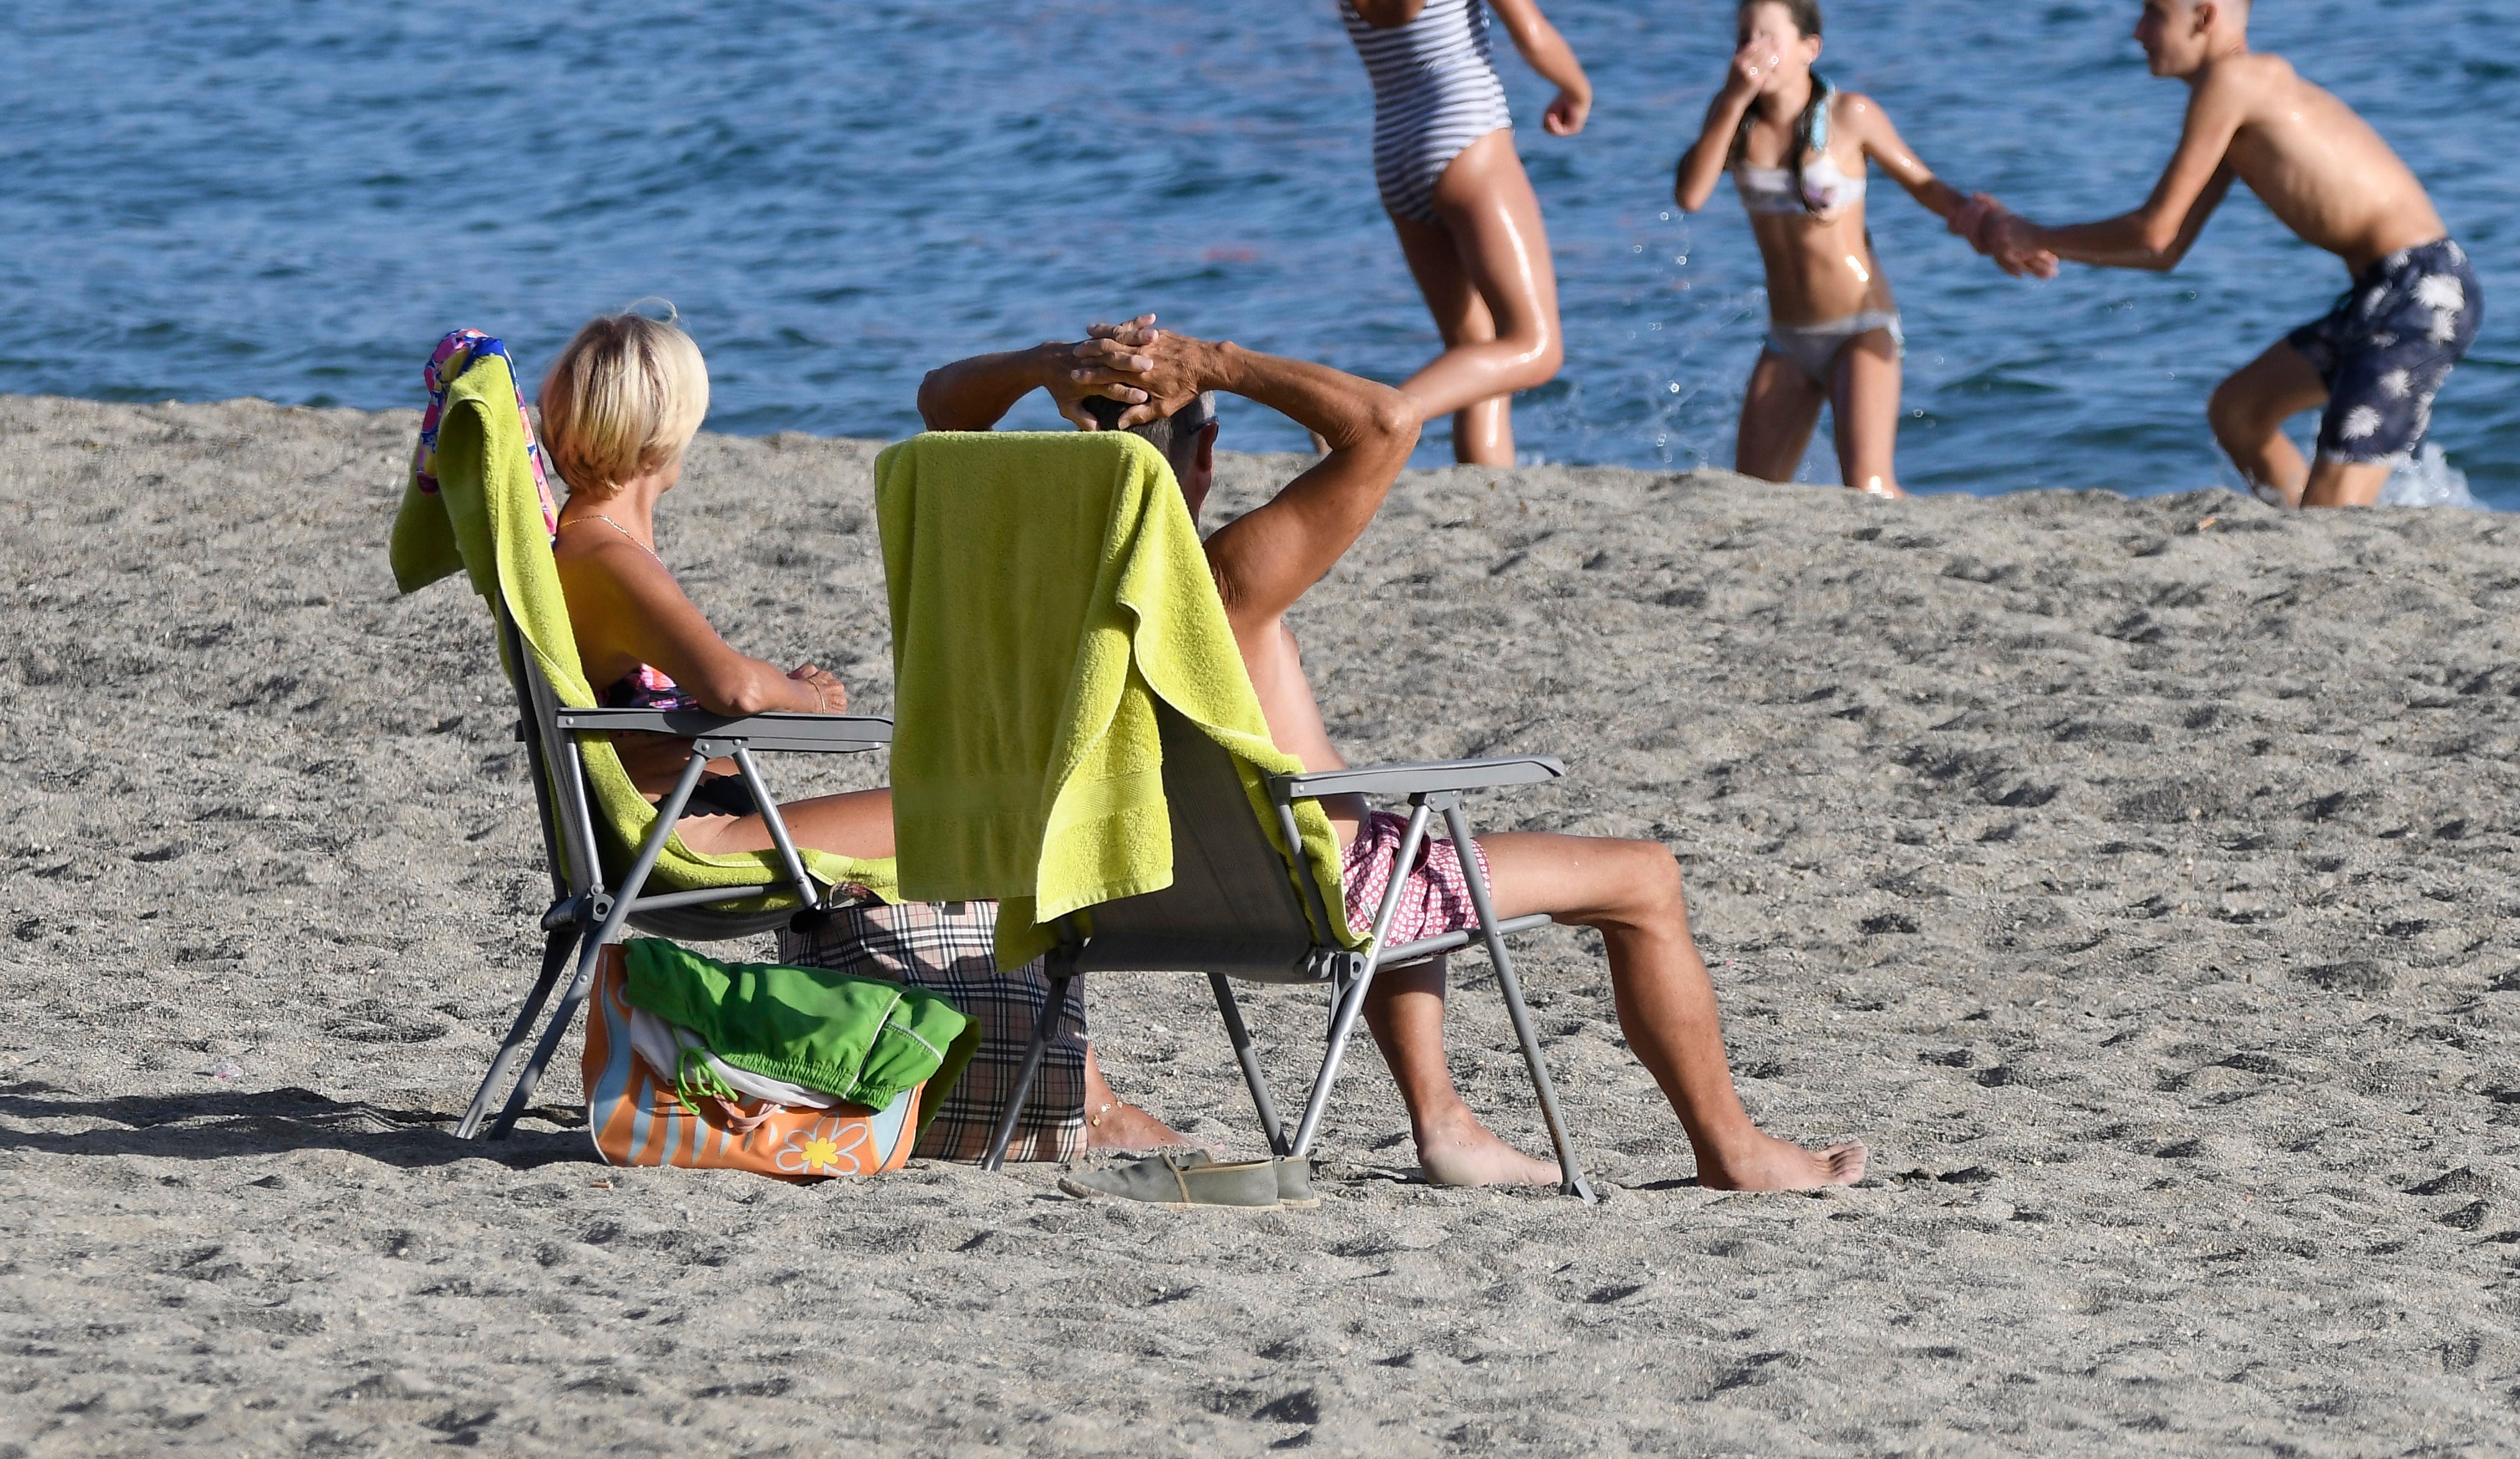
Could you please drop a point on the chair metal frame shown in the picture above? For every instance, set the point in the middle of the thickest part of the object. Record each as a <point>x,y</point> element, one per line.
<point>586,914</point>
<point>1302,950</point>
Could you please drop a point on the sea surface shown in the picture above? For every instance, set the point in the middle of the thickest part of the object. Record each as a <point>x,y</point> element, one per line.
<point>293,198</point>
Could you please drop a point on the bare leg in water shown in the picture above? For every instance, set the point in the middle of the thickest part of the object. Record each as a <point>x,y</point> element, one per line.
<point>859,824</point>
<point>2248,412</point>
<point>1485,271</point>
<point>1630,891</point>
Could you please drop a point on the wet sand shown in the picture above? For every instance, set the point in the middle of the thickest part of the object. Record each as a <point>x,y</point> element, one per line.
<point>2133,876</point>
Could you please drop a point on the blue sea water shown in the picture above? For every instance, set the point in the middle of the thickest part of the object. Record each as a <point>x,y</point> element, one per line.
<point>293,199</point>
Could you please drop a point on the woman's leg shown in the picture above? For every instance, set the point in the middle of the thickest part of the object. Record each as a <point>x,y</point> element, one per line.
<point>1778,415</point>
<point>1630,891</point>
<point>856,825</point>
<point>1485,202</point>
<point>1864,393</point>
<point>1482,430</point>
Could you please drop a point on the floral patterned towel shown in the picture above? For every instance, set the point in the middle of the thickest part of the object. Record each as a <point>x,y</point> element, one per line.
<point>454,355</point>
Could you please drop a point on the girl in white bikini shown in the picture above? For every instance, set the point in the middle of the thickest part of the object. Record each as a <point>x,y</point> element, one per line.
<point>1797,147</point>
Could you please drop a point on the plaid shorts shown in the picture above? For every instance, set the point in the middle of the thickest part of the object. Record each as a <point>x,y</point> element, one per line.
<point>948,949</point>
<point>1435,898</point>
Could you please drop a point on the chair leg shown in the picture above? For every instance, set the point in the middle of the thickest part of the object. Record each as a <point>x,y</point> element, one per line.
<point>1249,1059</point>
<point>1574,1184</point>
<point>668,813</point>
<point>1004,1133</point>
<point>556,950</point>
<point>1343,1016</point>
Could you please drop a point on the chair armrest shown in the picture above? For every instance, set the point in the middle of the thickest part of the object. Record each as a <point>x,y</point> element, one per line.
<point>778,729</point>
<point>1417,779</point>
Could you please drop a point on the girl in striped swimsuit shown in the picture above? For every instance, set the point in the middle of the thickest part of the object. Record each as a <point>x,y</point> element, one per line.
<point>1467,220</point>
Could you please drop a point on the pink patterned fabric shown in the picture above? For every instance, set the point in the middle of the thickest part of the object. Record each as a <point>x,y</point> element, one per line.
<point>1435,896</point>
<point>454,355</point>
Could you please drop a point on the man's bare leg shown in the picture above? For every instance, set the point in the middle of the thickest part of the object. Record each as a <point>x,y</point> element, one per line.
<point>2248,413</point>
<point>1406,1012</point>
<point>1630,891</point>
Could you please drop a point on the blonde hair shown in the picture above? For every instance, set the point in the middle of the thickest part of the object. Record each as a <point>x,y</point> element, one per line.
<point>625,398</point>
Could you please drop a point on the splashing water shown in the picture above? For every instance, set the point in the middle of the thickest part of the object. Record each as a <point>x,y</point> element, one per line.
<point>2429,481</point>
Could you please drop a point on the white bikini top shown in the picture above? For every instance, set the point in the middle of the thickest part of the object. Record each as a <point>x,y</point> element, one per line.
<point>1771,190</point>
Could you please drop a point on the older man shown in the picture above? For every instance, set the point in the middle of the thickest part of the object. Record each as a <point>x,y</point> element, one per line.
<point>1264,561</point>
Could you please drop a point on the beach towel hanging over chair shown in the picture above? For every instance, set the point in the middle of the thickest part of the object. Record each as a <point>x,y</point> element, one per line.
<point>1082,743</point>
<point>479,503</point>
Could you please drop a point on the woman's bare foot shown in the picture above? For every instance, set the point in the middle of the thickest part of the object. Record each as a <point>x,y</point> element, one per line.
<point>1113,1124</point>
<point>1766,1162</point>
<point>1121,1125</point>
<point>1456,1149</point>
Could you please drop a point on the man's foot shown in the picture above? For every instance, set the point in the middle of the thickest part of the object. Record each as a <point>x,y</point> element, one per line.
<point>1119,1126</point>
<point>1458,1150</point>
<point>1772,1164</point>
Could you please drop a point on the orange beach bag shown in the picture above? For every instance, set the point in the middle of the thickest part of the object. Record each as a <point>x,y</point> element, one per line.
<point>636,1117</point>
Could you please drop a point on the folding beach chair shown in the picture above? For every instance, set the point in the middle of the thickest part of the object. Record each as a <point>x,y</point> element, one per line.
<point>1247,894</point>
<point>614,860</point>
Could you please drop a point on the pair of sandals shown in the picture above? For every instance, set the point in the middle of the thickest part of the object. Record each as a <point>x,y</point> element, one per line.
<point>1191,1180</point>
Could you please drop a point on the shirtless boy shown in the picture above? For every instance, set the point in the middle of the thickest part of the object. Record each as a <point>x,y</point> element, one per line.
<point>1263,561</point>
<point>2377,360</point>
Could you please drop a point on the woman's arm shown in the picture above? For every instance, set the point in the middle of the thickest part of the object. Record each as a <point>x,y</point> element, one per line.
<point>1546,51</point>
<point>1703,163</point>
<point>624,604</point>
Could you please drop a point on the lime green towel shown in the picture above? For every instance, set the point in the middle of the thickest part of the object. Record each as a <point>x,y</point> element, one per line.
<point>1047,588</point>
<point>486,518</point>
<point>862,1039</point>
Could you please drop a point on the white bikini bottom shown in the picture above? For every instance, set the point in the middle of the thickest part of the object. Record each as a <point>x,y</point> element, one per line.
<point>1814,348</point>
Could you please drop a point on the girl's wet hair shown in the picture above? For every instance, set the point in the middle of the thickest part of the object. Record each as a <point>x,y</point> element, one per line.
<point>1809,127</point>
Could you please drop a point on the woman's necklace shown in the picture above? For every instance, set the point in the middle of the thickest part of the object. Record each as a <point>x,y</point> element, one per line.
<point>617,528</point>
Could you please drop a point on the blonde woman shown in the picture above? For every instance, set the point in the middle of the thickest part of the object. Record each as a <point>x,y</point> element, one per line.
<point>619,408</point>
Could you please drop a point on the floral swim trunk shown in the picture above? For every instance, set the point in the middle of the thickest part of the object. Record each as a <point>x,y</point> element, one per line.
<point>2386,348</point>
<point>1434,897</point>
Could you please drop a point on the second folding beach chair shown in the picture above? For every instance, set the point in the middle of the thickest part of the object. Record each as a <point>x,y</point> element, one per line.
<point>478,504</point>
<point>1080,741</point>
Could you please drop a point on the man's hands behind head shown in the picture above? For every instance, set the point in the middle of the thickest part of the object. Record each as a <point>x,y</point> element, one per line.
<point>1167,370</point>
<point>1097,366</point>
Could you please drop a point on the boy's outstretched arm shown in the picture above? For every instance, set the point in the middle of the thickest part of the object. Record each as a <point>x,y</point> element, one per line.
<point>2159,234</point>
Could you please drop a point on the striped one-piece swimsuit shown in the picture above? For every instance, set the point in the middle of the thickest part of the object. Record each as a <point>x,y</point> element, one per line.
<point>1435,92</point>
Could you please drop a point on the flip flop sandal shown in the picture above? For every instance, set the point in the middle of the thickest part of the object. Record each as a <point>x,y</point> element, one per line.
<point>1180,1180</point>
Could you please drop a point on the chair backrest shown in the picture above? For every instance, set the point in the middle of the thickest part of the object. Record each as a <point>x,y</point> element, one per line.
<point>1231,908</point>
<point>596,815</point>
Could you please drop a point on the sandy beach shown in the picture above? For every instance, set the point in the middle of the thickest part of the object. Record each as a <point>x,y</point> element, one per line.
<point>2133,876</point>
